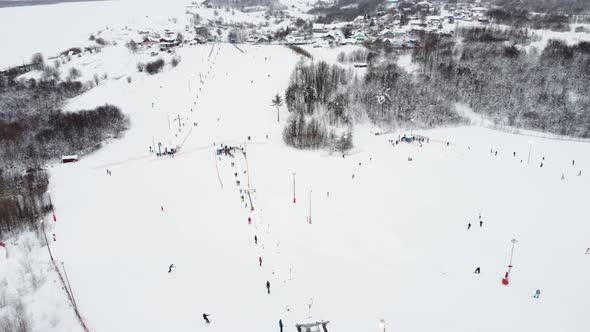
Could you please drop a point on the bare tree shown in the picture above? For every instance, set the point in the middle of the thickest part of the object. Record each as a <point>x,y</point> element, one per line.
<point>37,61</point>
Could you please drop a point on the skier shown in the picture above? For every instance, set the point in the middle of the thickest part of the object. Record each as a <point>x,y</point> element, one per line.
<point>496,153</point>
<point>477,270</point>
<point>514,154</point>
<point>562,176</point>
<point>480,223</point>
<point>260,261</point>
<point>249,220</point>
<point>162,208</point>
<point>537,293</point>
<point>255,239</point>
<point>468,226</point>
<point>170,268</point>
<point>587,251</point>
<point>573,162</point>
<point>580,173</point>
<point>268,287</point>
<point>206,318</point>
<point>281,324</point>
<point>353,176</point>
<point>541,165</point>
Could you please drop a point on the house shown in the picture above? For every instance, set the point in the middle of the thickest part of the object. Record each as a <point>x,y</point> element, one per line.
<point>386,34</point>
<point>329,37</point>
<point>417,24</point>
<point>147,41</point>
<point>319,28</point>
<point>359,37</point>
<point>434,20</point>
<point>69,159</point>
<point>165,46</point>
<point>294,40</point>
<point>262,40</point>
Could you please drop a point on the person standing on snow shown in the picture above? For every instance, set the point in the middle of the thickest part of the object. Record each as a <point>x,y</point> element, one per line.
<point>206,318</point>
<point>268,287</point>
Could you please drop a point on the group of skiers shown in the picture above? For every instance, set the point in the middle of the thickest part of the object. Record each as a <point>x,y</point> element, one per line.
<point>480,223</point>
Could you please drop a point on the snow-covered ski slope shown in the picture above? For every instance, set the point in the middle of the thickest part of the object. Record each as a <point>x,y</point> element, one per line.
<point>391,243</point>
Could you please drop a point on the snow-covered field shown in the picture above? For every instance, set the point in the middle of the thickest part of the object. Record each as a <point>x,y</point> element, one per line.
<point>388,237</point>
<point>391,243</point>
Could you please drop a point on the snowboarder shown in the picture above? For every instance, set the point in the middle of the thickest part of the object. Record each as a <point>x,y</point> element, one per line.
<point>206,318</point>
<point>268,287</point>
<point>468,226</point>
<point>477,270</point>
<point>255,239</point>
<point>281,324</point>
<point>260,261</point>
<point>537,293</point>
<point>170,268</point>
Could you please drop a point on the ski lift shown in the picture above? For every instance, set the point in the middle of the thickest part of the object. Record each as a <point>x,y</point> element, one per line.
<point>313,327</point>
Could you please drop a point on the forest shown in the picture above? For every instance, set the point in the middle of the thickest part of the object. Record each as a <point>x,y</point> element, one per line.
<point>33,131</point>
<point>324,100</point>
<point>546,90</point>
<point>547,6</point>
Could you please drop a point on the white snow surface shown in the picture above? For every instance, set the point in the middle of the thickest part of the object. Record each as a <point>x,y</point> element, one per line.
<point>391,243</point>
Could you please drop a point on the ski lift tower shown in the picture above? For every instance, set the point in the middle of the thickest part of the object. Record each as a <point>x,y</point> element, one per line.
<point>506,279</point>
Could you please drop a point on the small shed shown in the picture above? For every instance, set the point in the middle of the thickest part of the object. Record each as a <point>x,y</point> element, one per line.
<point>69,159</point>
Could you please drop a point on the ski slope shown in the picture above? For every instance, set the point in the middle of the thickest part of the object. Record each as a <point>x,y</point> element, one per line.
<point>391,243</point>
